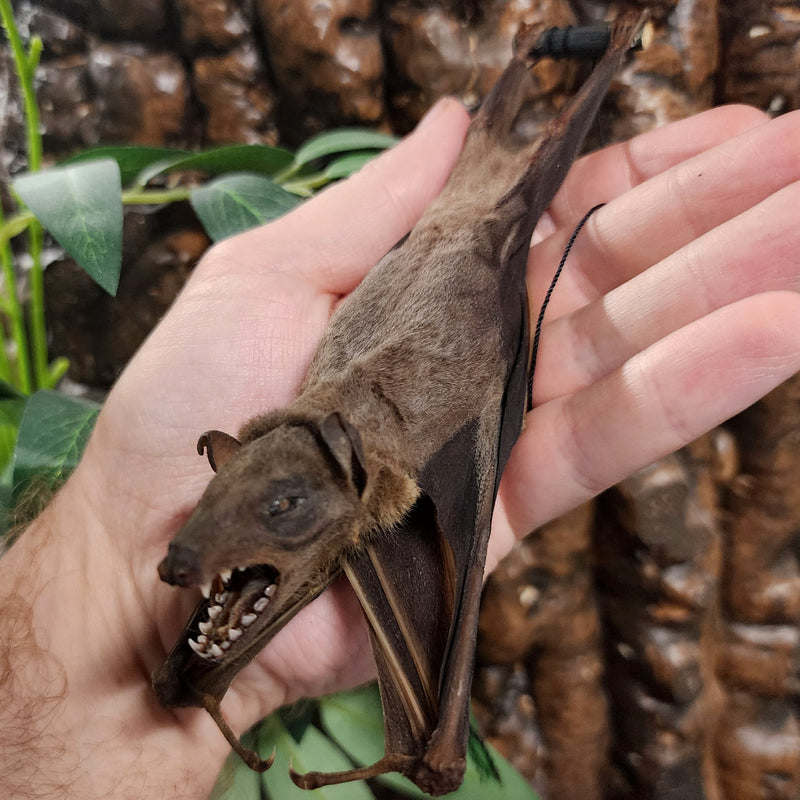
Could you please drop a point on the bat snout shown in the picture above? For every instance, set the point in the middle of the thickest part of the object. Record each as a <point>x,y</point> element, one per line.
<point>181,567</point>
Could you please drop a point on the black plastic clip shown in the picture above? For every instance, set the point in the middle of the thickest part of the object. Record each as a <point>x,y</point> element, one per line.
<point>586,41</point>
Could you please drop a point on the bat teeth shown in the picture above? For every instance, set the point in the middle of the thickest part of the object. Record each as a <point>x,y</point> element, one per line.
<point>205,627</point>
<point>225,644</point>
<point>260,604</point>
<point>248,619</point>
<point>197,647</point>
<point>270,590</point>
<point>235,633</point>
<point>216,650</point>
<point>214,612</point>
<point>221,597</point>
<point>206,590</point>
<point>226,575</point>
<point>202,639</point>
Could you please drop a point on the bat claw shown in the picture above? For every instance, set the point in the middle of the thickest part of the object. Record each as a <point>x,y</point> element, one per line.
<point>307,780</point>
<point>302,781</point>
<point>256,763</point>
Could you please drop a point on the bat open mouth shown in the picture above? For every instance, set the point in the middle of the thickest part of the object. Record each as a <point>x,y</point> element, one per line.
<point>236,598</point>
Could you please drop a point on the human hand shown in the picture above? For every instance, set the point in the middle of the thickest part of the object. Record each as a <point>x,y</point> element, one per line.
<point>677,309</point>
<point>651,342</point>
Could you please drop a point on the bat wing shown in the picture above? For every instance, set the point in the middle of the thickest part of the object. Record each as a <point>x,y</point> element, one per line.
<point>419,586</point>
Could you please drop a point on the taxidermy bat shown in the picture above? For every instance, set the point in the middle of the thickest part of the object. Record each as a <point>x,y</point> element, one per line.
<point>386,466</point>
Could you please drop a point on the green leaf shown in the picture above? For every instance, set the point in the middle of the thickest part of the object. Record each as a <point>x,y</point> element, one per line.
<point>131,159</point>
<point>8,390</point>
<point>354,721</point>
<point>345,166</point>
<point>479,756</point>
<point>53,433</point>
<point>11,409</point>
<point>314,752</point>
<point>10,415</point>
<point>297,717</point>
<point>511,783</point>
<point>257,158</point>
<point>342,141</point>
<point>238,202</point>
<point>81,206</point>
<point>236,781</point>
<point>56,370</point>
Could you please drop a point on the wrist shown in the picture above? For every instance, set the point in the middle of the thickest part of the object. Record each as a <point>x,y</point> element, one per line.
<point>79,717</point>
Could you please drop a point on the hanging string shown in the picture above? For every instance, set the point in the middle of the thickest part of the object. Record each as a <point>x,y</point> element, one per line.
<point>538,329</point>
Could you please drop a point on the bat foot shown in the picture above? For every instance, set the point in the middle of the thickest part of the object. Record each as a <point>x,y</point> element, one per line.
<point>316,780</point>
<point>253,760</point>
<point>310,780</point>
<point>250,757</point>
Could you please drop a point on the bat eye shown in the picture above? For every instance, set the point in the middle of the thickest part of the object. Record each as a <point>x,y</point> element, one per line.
<point>280,505</point>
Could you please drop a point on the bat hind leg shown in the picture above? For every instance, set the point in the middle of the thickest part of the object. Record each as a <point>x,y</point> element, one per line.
<point>250,757</point>
<point>389,763</point>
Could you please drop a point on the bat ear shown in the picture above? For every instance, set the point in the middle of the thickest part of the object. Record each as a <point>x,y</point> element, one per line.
<point>220,448</point>
<point>344,443</point>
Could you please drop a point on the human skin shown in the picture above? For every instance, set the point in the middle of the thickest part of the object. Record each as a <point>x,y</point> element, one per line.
<point>677,309</point>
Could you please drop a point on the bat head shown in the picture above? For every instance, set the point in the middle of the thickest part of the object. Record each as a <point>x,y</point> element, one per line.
<point>268,532</point>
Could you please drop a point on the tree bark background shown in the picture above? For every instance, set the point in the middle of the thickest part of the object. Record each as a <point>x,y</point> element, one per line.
<point>643,646</point>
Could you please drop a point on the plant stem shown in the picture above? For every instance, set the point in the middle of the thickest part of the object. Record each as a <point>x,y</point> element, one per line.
<point>56,371</point>
<point>283,176</point>
<point>33,123</point>
<point>145,197</point>
<point>305,186</point>
<point>15,315</point>
<point>25,65</point>
<point>14,226</point>
<point>20,221</point>
<point>36,320</point>
<point>5,364</point>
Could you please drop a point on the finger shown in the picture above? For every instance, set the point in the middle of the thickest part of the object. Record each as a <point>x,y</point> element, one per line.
<point>662,214</point>
<point>661,399</point>
<point>612,171</point>
<point>333,240</point>
<point>753,253</point>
